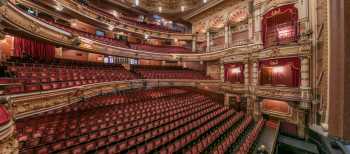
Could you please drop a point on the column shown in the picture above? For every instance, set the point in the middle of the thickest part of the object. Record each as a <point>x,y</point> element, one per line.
<point>227,99</point>
<point>246,74</point>
<point>303,13</point>
<point>255,72</point>
<point>339,68</point>
<point>254,99</point>
<point>222,71</point>
<point>251,21</point>
<point>208,42</point>
<point>305,82</point>
<point>194,43</point>
<point>227,36</point>
<point>257,26</point>
<point>250,29</point>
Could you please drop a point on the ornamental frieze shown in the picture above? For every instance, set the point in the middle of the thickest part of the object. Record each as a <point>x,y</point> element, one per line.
<point>284,51</point>
<point>234,88</point>
<point>284,93</point>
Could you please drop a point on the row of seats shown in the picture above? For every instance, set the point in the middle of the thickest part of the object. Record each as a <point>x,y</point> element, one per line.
<point>119,43</point>
<point>27,77</point>
<point>109,119</point>
<point>103,39</point>
<point>127,19</point>
<point>31,78</point>
<point>164,120</point>
<point>249,141</point>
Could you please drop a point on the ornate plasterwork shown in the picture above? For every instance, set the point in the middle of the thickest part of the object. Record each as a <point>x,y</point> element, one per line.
<point>234,88</point>
<point>301,49</point>
<point>22,21</point>
<point>267,5</point>
<point>236,58</point>
<point>9,145</point>
<point>238,15</point>
<point>282,93</point>
<point>221,17</point>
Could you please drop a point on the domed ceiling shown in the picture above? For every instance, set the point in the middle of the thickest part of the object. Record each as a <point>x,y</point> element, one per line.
<point>167,6</point>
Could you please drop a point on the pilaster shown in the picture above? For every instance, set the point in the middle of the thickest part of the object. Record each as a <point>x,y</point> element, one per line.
<point>208,41</point>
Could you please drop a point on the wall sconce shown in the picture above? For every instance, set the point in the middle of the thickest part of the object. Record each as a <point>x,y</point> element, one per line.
<point>278,69</point>
<point>236,70</point>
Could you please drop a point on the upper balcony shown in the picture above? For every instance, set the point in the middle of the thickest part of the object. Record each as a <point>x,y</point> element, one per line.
<point>123,22</point>
<point>91,43</point>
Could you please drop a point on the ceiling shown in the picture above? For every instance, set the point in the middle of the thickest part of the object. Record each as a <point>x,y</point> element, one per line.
<point>169,7</point>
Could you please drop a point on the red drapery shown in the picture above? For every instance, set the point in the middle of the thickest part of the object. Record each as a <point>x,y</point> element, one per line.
<point>284,72</point>
<point>234,72</point>
<point>280,26</point>
<point>33,48</point>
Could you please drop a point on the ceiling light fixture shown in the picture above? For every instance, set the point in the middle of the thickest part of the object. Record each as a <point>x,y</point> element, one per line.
<point>110,27</point>
<point>59,7</point>
<point>205,1</point>
<point>137,2</point>
<point>182,8</point>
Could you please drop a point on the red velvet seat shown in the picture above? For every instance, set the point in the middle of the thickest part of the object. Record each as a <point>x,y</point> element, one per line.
<point>4,116</point>
<point>33,87</point>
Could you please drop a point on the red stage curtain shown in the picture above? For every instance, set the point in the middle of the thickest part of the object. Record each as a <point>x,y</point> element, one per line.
<point>280,26</point>
<point>37,50</point>
<point>289,76</point>
<point>234,77</point>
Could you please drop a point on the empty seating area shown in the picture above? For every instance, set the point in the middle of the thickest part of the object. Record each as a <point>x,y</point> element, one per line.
<point>128,19</point>
<point>102,39</point>
<point>116,42</point>
<point>156,72</point>
<point>120,43</point>
<point>31,77</point>
<point>159,120</point>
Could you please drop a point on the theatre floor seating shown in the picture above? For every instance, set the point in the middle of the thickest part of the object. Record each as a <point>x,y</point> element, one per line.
<point>29,77</point>
<point>160,120</point>
<point>156,72</point>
